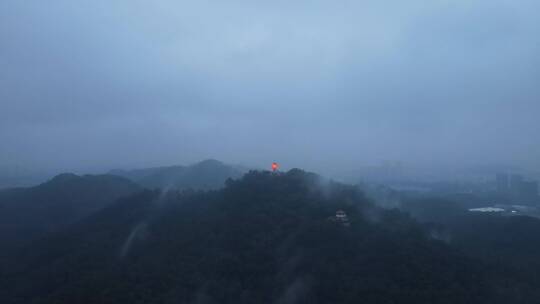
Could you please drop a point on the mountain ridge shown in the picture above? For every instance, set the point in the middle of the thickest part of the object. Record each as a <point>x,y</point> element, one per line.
<point>265,238</point>
<point>28,213</point>
<point>207,174</point>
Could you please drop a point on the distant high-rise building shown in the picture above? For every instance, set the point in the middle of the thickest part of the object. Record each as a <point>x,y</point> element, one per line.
<point>502,182</point>
<point>516,189</point>
<point>515,185</point>
<point>521,191</point>
<point>515,181</point>
<point>528,191</point>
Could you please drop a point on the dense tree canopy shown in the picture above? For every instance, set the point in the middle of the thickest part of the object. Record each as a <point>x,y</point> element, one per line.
<point>28,213</point>
<point>265,238</point>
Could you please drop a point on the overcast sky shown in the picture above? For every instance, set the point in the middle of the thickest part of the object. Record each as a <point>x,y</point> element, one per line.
<point>313,84</point>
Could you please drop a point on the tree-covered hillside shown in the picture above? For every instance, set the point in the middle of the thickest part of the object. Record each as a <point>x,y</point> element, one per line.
<point>208,174</point>
<point>265,238</point>
<point>28,213</point>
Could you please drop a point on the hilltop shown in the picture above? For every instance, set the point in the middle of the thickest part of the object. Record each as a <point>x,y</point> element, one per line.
<point>29,213</point>
<point>264,238</point>
<point>207,174</point>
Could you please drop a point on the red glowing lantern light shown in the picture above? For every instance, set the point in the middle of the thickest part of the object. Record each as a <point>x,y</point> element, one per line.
<point>275,167</point>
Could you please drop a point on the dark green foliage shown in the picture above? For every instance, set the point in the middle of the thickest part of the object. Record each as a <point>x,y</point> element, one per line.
<point>434,209</point>
<point>266,238</point>
<point>28,213</point>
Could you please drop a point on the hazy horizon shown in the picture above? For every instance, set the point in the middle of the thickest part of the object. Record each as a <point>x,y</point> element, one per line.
<point>312,84</point>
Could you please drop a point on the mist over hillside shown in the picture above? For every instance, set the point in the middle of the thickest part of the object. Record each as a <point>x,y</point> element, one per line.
<point>207,174</point>
<point>29,213</point>
<point>265,238</point>
<point>150,152</point>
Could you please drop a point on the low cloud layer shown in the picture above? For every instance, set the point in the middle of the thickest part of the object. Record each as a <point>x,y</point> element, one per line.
<point>314,84</point>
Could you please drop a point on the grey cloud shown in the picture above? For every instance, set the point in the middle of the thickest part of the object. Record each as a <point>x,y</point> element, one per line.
<point>315,84</point>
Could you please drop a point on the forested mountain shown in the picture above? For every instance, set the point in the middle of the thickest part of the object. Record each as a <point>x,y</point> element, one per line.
<point>509,241</point>
<point>208,174</point>
<point>28,213</point>
<point>265,238</point>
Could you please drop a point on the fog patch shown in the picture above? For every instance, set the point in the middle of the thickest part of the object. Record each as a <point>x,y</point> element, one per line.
<point>440,234</point>
<point>139,232</point>
<point>295,291</point>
